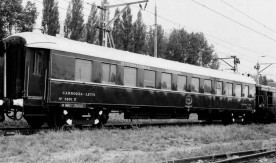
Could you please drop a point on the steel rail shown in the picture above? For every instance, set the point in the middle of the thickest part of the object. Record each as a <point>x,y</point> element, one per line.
<point>154,124</point>
<point>10,131</point>
<point>243,155</point>
<point>107,126</point>
<point>247,157</point>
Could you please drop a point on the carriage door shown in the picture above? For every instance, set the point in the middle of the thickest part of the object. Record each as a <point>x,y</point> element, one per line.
<point>37,72</point>
<point>15,69</point>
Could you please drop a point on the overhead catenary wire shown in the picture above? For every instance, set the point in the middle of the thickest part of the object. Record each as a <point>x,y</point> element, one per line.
<point>249,57</point>
<point>249,28</point>
<point>214,37</point>
<point>233,51</point>
<point>180,25</point>
<point>220,40</point>
<point>256,21</point>
<point>165,19</point>
<point>232,54</point>
<point>238,52</point>
<point>69,1</point>
<point>208,34</point>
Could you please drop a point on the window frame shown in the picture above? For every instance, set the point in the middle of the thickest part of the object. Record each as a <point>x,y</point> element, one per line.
<point>244,90</point>
<point>109,73</point>
<point>153,81</point>
<point>193,88</point>
<point>136,76</point>
<point>238,93</point>
<point>90,70</point>
<point>184,86</point>
<point>38,62</point>
<point>221,88</point>
<point>170,86</point>
<point>252,91</point>
<point>227,89</point>
<point>208,91</point>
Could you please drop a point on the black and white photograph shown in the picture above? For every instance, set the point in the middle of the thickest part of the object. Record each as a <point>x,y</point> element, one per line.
<point>137,81</point>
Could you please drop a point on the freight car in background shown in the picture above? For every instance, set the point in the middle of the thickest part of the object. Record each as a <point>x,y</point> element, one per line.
<point>59,81</point>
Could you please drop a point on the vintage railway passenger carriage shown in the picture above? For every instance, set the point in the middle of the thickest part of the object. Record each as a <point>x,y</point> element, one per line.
<point>58,81</point>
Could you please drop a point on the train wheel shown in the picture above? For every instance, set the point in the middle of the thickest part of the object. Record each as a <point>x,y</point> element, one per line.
<point>209,121</point>
<point>56,118</point>
<point>227,118</point>
<point>35,122</point>
<point>2,115</point>
<point>101,118</point>
<point>247,118</point>
<point>104,118</point>
<point>268,117</point>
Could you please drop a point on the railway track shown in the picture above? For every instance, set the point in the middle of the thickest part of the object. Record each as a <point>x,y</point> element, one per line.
<point>243,156</point>
<point>19,130</point>
<point>235,157</point>
<point>138,125</point>
<point>9,131</point>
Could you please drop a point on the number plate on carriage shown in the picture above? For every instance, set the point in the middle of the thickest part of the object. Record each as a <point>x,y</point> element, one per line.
<point>73,105</point>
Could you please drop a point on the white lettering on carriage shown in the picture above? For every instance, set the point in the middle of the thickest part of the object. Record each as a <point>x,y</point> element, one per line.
<point>134,65</point>
<point>68,93</point>
<point>173,72</point>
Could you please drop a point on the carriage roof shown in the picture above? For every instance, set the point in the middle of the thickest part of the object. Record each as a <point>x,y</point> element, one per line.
<point>38,40</point>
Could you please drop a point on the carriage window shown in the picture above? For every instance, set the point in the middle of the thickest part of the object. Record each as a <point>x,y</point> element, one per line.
<point>130,76</point>
<point>246,91</point>
<point>229,89</point>
<point>149,79</point>
<point>181,83</point>
<point>83,70</point>
<point>269,98</point>
<point>238,90</point>
<point>63,67</point>
<point>195,84</point>
<point>219,88</point>
<point>274,99</point>
<point>38,62</point>
<point>252,91</point>
<point>166,81</point>
<point>207,86</point>
<point>109,73</point>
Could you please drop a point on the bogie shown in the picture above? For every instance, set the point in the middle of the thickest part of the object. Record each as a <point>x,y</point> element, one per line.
<point>35,116</point>
<point>56,119</point>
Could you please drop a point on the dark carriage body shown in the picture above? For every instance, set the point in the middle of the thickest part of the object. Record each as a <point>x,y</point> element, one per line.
<point>64,78</point>
<point>265,104</point>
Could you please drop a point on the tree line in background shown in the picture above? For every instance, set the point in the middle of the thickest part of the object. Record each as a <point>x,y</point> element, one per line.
<point>134,36</point>
<point>16,18</point>
<point>129,35</point>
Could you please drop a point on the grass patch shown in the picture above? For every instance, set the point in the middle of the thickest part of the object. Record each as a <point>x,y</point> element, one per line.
<point>12,123</point>
<point>148,144</point>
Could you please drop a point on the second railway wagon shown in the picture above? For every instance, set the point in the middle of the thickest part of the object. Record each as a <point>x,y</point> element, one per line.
<point>58,81</point>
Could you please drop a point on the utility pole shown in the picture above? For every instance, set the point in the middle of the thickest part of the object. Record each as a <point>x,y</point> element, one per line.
<point>200,53</point>
<point>236,62</point>
<point>107,35</point>
<point>155,32</point>
<point>105,17</point>
<point>258,66</point>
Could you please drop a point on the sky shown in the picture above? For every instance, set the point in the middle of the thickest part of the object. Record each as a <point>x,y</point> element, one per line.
<point>242,28</point>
